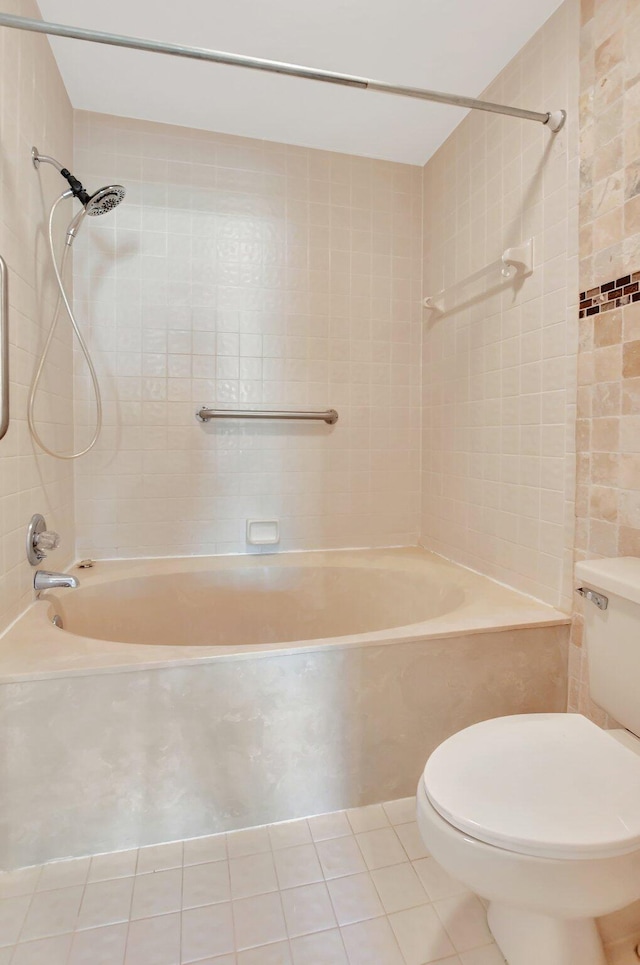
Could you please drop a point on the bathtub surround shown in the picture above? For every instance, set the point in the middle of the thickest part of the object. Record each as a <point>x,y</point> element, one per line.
<point>35,109</point>
<point>608,436</point>
<point>246,273</point>
<point>499,365</point>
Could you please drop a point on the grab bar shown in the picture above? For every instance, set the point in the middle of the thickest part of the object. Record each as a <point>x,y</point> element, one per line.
<point>4,348</point>
<point>330,416</point>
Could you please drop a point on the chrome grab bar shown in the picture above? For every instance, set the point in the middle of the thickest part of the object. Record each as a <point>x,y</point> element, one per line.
<point>4,348</point>
<point>330,416</point>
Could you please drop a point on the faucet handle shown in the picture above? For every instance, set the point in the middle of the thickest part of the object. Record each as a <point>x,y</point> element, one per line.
<point>47,540</point>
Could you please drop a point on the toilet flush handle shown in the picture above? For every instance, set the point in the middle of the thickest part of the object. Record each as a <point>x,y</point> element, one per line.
<point>600,600</point>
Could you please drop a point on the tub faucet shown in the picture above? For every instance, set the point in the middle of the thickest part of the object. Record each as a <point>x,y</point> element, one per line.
<point>44,580</point>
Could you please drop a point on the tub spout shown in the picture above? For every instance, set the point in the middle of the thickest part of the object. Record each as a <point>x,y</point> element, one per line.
<point>44,580</point>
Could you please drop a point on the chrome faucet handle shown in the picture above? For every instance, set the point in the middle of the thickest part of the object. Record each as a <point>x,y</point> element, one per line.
<point>47,540</point>
<point>40,540</point>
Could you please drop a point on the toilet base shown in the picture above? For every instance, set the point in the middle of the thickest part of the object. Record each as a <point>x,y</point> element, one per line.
<point>525,938</point>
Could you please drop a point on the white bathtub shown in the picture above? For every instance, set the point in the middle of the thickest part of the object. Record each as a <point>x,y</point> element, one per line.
<point>189,696</point>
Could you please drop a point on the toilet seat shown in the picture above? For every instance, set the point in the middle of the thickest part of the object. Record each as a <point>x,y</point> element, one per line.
<point>549,785</point>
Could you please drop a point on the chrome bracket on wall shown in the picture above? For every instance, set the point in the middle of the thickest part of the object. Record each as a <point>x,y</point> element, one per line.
<point>600,600</point>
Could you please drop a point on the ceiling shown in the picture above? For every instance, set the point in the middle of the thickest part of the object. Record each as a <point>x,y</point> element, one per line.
<point>451,45</point>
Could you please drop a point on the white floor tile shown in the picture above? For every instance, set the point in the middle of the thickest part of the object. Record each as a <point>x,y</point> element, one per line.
<point>5,954</point>
<point>465,920</point>
<point>278,953</point>
<point>205,884</point>
<point>258,921</point>
<point>354,898</point>
<point>372,943</point>
<point>154,941</point>
<point>13,912</point>
<point>16,883</point>
<point>368,818</point>
<point>159,857</point>
<point>399,887</point>
<point>106,902</point>
<point>322,948</point>
<point>204,850</point>
<point>402,811</point>
<point>488,955</point>
<point>290,834</point>
<point>251,841</point>
<point>381,848</point>
<point>333,825</point>
<point>207,932</point>
<point>420,935</point>
<point>99,946</point>
<point>64,874</point>
<point>297,866</point>
<point>436,881</point>
<point>255,874</point>
<point>340,856</point>
<point>119,864</point>
<point>52,913</point>
<point>411,840</point>
<point>45,951</point>
<point>307,909</point>
<point>158,893</point>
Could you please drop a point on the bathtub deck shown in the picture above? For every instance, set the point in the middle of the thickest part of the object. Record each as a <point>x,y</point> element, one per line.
<point>348,888</point>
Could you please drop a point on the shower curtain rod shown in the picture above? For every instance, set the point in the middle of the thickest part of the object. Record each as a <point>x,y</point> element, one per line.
<point>554,120</point>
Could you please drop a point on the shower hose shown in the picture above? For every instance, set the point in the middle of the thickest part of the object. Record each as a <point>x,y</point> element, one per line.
<point>62,298</point>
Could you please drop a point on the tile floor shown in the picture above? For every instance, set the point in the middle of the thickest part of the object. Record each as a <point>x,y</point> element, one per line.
<point>349,888</point>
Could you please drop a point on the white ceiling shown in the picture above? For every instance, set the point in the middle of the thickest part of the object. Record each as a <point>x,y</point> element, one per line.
<point>451,45</point>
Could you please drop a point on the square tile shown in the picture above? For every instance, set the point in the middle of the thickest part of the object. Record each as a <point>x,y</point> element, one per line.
<point>251,841</point>
<point>52,913</point>
<point>117,864</point>
<point>321,948</point>
<point>154,941</point>
<point>204,850</point>
<point>159,857</point>
<point>399,887</point>
<point>411,840</point>
<point>354,898</point>
<point>278,953</point>
<point>158,893</point>
<point>297,866</point>
<point>205,884</point>
<point>307,909</point>
<point>105,903</point>
<point>45,951</point>
<point>488,955</point>
<point>63,874</point>
<point>13,912</point>
<point>255,874</point>
<point>99,946</point>
<point>465,920</point>
<point>290,834</point>
<point>437,882</point>
<point>21,882</point>
<point>402,811</point>
<point>207,932</point>
<point>381,848</point>
<point>340,856</point>
<point>420,935</point>
<point>258,921</point>
<point>333,825</point>
<point>371,943</point>
<point>368,818</point>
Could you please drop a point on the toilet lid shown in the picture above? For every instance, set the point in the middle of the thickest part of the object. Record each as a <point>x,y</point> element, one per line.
<point>553,785</point>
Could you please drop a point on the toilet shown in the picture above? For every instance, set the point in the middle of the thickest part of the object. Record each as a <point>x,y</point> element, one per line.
<point>540,813</point>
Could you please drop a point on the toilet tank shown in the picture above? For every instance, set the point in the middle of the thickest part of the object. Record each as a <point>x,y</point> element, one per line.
<point>612,635</point>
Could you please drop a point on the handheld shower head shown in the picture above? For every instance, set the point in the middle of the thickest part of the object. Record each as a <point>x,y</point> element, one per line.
<point>101,201</point>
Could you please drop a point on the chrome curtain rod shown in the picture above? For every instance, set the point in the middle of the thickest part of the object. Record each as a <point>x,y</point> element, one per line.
<point>554,120</point>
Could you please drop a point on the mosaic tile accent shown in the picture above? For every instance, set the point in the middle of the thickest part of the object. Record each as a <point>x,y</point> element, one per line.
<point>613,294</point>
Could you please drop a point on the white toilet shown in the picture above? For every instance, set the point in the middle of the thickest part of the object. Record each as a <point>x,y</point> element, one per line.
<point>540,813</point>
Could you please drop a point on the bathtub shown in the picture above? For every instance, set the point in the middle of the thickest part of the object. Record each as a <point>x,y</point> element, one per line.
<point>181,697</point>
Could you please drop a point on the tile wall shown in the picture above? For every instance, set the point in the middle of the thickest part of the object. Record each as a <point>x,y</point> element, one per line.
<point>499,363</point>
<point>34,109</point>
<point>608,493</point>
<point>243,273</point>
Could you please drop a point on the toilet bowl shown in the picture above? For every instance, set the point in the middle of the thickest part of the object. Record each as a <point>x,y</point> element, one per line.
<point>539,814</point>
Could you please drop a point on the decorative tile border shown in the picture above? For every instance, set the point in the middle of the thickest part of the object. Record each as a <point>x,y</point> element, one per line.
<point>613,294</point>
